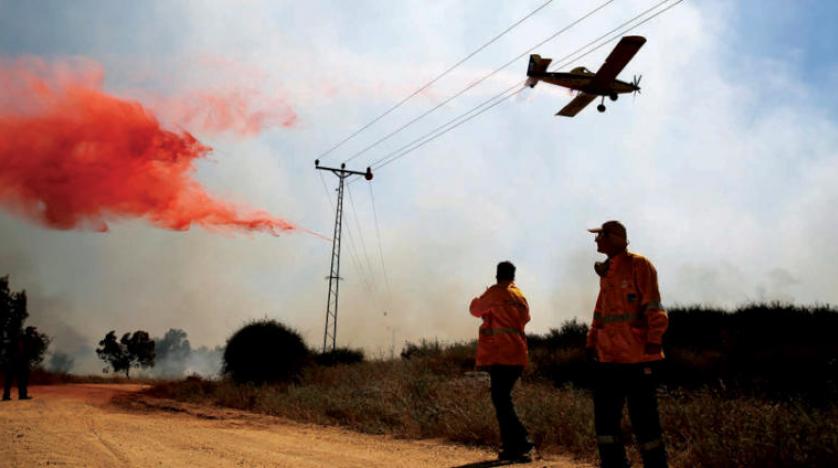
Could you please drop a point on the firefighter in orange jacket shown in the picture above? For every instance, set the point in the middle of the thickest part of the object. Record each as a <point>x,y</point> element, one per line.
<point>502,350</point>
<point>625,341</point>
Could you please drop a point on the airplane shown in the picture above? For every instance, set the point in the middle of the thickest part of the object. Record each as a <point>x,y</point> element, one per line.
<point>588,84</point>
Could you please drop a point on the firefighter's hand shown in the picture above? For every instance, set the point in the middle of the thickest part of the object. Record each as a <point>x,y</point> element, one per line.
<point>652,348</point>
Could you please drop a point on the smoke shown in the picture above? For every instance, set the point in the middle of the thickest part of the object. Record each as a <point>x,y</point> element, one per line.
<point>171,352</point>
<point>61,363</point>
<point>75,157</point>
<point>176,358</point>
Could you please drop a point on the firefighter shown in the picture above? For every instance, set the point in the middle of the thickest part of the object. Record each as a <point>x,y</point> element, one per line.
<point>625,343</point>
<point>502,350</point>
<point>16,367</point>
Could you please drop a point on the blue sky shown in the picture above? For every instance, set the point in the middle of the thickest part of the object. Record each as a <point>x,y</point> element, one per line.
<point>722,169</point>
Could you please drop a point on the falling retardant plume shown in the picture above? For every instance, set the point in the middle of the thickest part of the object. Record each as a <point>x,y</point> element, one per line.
<point>229,111</point>
<point>74,157</point>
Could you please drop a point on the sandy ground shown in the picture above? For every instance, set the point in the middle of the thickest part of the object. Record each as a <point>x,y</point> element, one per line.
<point>111,425</point>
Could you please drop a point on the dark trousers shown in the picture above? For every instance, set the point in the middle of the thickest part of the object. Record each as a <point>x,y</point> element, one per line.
<point>10,372</point>
<point>616,384</point>
<point>513,435</point>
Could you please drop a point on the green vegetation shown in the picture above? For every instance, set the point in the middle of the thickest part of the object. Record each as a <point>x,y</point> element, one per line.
<point>132,350</point>
<point>751,388</point>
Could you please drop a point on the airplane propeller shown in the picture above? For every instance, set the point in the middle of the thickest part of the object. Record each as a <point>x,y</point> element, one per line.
<point>636,82</point>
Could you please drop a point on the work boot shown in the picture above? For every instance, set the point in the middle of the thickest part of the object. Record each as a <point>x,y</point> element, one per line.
<point>519,453</point>
<point>515,456</point>
<point>613,456</point>
<point>654,458</point>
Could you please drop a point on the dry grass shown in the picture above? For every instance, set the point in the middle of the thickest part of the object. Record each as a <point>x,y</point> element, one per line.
<point>40,376</point>
<point>407,398</point>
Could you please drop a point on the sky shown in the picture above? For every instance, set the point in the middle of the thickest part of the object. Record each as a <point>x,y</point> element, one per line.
<point>722,169</point>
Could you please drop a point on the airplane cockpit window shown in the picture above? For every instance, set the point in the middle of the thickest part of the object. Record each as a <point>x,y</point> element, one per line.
<point>582,70</point>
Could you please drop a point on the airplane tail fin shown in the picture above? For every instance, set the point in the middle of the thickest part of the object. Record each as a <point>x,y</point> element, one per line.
<point>537,67</point>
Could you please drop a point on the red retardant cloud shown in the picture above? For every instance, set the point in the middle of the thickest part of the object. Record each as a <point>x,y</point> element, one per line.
<point>75,157</point>
<point>241,112</point>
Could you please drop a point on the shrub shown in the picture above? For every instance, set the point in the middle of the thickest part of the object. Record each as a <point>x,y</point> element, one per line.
<point>443,359</point>
<point>572,334</point>
<point>339,356</point>
<point>771,351</point>
<point>265,351</point>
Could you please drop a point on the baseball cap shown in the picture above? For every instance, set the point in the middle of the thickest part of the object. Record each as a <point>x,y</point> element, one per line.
<point>611,227</point>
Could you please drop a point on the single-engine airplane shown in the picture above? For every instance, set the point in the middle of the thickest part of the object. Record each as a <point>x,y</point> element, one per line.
<point>588,84</point>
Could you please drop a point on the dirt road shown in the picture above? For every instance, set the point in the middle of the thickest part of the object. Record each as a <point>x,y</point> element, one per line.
<point>110,425</point>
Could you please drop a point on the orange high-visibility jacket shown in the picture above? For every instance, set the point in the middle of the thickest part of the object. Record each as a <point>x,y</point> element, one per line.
<point>504,311</point>
<point>628,312</point>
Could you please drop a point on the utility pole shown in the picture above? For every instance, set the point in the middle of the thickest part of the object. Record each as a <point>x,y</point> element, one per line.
<point>331,328</point>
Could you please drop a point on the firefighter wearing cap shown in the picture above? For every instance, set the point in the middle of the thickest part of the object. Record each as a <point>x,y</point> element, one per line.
<point>625,341</point>
<point>502,350</point>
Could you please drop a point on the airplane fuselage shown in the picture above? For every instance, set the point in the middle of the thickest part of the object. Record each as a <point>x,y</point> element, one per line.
<point>582,82</point>
<point>589,84</point>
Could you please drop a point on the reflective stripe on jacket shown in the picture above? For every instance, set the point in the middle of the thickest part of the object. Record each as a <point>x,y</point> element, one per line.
<point>504,311</point>
<point>628,313</point>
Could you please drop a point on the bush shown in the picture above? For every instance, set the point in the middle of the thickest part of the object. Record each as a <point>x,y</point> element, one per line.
<point>559,355</point>
<point>339,356</point>
<point>572,334</point>
<point>775,351</point>
<point>265,351</point>
<point>443,359</point>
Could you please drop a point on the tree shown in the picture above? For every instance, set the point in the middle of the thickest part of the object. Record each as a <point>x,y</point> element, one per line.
<point>132,350</point>
<point>36,345</point>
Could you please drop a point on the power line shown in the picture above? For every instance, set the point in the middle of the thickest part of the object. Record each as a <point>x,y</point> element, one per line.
<point>356,259</point>
<point>326,190</point>
<point>569,59</point>
<point>428,84</point>
<point>380,250</point>
<point>436,133</point>
<point>504,95</point>
<point>480,80</point>
<point>360,235</point>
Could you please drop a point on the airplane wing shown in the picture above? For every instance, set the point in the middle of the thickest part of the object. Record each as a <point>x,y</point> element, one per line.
<point>577,104</point>
<point>616,61</point>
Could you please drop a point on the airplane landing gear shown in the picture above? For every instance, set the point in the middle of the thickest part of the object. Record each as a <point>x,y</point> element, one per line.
<point>601,106</point>
<point>613,97</point>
